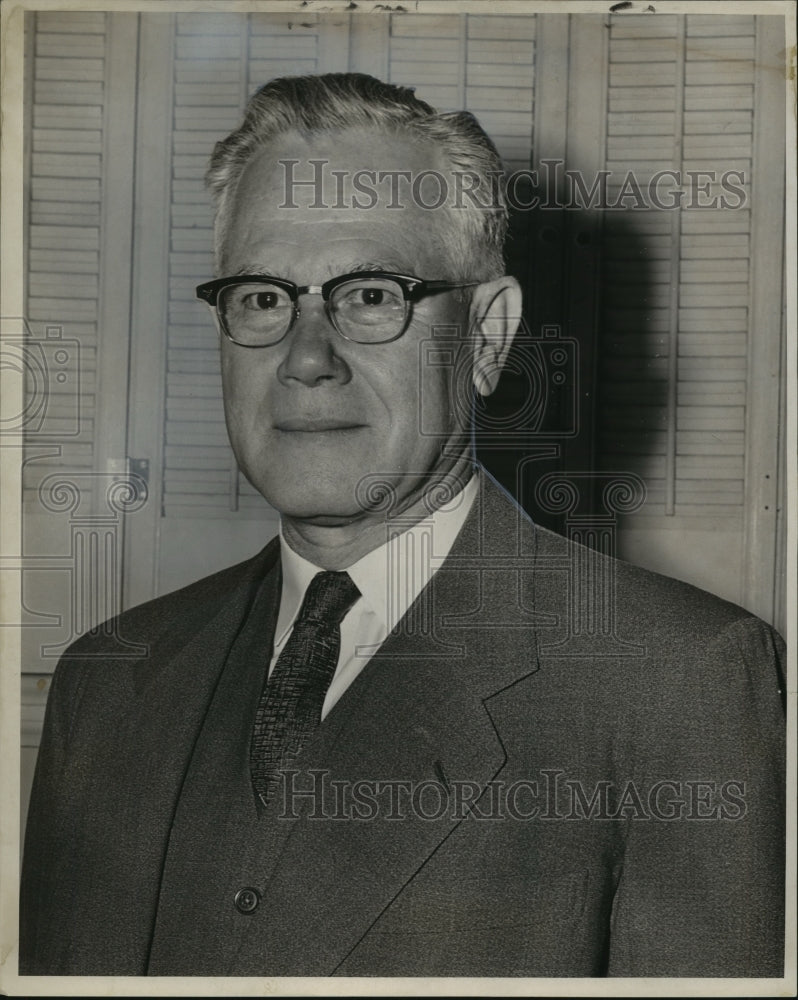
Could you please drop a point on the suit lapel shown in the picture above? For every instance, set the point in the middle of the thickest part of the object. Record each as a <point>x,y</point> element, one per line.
<point>412,734</point>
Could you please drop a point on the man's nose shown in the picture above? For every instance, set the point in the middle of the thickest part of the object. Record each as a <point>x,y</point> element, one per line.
<point>312,348</point>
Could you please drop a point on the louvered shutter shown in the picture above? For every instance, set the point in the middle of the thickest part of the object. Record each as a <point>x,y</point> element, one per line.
<point>65,185</point>
<point>484,64</point>
<point>675,321</point>
<point>209,89</point>
<point>500,82</point>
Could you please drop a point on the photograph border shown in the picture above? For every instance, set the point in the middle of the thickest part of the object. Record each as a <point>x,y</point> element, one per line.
<point>11,401</point>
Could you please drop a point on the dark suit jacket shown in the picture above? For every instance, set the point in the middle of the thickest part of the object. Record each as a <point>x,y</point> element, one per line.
<point>617,734</point>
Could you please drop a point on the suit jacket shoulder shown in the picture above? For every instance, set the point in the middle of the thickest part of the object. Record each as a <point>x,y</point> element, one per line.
<point>662,616</point>
<point>171,616</point>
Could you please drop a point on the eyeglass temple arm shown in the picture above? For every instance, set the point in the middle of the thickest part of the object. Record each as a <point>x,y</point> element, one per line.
<point>441,286</point>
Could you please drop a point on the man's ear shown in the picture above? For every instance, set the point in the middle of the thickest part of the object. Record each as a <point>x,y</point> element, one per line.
<point>495,317</point>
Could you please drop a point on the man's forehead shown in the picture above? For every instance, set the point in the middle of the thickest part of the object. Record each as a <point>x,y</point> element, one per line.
<point>370,148</point>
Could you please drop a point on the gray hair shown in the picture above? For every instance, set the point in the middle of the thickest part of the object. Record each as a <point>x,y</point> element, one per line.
<point>314,104</point>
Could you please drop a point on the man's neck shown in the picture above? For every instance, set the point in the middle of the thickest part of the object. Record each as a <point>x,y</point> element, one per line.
<point>338,546</point>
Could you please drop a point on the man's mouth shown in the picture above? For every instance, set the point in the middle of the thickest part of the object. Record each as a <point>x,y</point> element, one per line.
<point>316,425</point>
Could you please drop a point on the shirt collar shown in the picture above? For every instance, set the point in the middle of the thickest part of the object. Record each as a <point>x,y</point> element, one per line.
<point>391,576</point>
<point>297,574</point>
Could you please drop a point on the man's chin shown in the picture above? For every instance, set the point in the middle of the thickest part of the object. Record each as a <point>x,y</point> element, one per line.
<point>326,509</point>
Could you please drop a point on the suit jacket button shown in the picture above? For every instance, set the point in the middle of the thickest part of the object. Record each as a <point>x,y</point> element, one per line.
<point>247,900</point>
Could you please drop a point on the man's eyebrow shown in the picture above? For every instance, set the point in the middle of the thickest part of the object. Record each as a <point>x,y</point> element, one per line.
<point>371,265</point>
<point>253,269</point>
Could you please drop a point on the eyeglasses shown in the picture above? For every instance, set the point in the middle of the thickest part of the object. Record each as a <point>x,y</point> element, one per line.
<point>366,307</point>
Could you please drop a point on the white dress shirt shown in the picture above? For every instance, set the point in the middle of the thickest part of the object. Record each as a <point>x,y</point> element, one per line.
<point>389,579</point>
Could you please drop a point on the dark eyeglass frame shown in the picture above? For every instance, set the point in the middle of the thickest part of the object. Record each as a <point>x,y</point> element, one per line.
<point>413,289</point>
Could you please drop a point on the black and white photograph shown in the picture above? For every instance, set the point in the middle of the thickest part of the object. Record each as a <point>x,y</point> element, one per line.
<point>398,546</point>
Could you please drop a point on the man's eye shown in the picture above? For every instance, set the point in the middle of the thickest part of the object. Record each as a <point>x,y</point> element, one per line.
<point>372,296</point>
<point>261,301</point>
<point>368,296</point>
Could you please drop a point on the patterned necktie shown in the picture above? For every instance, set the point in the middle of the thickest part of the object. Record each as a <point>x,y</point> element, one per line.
<point>292,698</point>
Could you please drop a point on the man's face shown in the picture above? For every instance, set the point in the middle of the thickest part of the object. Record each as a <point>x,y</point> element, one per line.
<point>311,416</point>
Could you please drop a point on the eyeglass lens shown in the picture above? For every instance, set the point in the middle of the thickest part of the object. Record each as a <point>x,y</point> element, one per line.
<point>365,310</point>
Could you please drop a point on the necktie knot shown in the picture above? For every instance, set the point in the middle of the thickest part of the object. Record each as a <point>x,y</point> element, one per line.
<point>328,598</point>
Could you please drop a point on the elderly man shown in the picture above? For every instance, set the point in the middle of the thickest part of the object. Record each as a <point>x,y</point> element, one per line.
<point>377,748</point>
